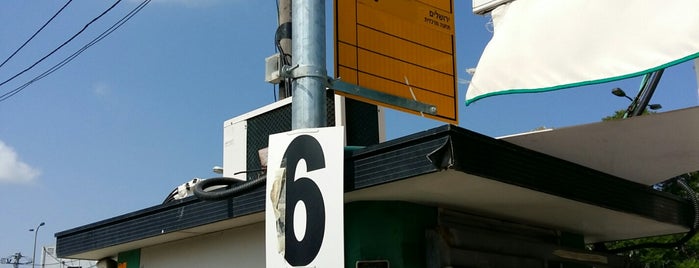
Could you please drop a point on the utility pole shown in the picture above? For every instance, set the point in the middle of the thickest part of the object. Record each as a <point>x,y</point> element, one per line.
<point>283,39</point>
<point>308,108</point>
<point>15,260</point>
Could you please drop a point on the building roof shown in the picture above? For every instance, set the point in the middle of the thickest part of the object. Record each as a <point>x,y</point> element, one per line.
<point>645,149</point>
<point>448,167</point>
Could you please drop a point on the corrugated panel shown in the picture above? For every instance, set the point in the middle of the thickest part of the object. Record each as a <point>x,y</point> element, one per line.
<point>259,129</point>
<point>152,222</point>
<point>361,123</point>
<point>273,122</point>
<point>396,164</point>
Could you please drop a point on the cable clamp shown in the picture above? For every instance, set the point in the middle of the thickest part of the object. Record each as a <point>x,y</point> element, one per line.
<point>299,71</point>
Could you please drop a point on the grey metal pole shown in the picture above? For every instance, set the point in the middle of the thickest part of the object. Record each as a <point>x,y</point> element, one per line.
<point>43,257</point>
<point>308,108</point>
<point>284,35</point>
<point>36,232</point>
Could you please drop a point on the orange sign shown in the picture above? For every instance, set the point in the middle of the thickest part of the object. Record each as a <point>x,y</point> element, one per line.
<point>400,47</point>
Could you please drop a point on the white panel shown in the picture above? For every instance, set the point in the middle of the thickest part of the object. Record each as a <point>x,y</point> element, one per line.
<point>239,247</point>
<point>272,67</point>
<point>549,45</point>
<point>313,163</point>
<point>235,148</point>
<point>645,149</point>
<point>235,139</point>
<point>381,113</point>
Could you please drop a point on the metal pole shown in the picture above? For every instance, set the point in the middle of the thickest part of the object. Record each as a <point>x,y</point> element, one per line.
<point>36,232</point>
<point>284,36</point>
<point>17,256</point>
<point>648,91</point>
<point>43,257</point>
<point>308,108</point>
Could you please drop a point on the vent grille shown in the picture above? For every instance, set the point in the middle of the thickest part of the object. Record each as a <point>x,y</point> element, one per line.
<point>273,122</point>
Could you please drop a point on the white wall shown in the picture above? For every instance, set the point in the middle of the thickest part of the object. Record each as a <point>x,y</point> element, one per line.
<point>238,247</point>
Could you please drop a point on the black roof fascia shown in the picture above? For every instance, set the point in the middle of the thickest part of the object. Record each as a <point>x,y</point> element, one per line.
<point>174,216</point>
<point>509,163</point>
<point>414,155</point>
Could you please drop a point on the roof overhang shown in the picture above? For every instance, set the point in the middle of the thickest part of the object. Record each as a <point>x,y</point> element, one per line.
<point>645,149</point>
<point>498,200</point>
<point>446,167</point>
<point>165,237</point>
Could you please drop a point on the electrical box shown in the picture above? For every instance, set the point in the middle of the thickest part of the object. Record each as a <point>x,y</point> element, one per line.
<point>272,69</point>
<point>482,7</point>
<point>246,136</point>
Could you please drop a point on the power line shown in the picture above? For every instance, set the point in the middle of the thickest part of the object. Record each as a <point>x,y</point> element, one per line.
<point>75,54</point>
<point>65,61</point>
<point>37,32</point>
<point>62,45</point>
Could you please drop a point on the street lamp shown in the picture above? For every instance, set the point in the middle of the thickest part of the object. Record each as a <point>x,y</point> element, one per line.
<point>620,93</point>
<point>36,232</point>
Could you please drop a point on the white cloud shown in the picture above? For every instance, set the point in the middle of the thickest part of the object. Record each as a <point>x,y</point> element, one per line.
<point>101,89</point>
<point>12,170</point>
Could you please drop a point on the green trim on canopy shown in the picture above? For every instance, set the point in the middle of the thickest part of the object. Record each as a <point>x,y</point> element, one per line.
<point>583,83</point>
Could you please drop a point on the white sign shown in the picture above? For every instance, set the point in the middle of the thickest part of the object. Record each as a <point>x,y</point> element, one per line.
<point>304,225</point>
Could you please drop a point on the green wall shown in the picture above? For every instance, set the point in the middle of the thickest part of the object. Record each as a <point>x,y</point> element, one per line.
<point>387,230</point>
<point>129,259</point>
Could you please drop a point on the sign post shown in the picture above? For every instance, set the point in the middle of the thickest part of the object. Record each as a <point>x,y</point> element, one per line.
<point>304,223</point>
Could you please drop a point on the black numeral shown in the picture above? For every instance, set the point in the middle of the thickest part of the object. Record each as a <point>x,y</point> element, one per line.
<point>301,253</point>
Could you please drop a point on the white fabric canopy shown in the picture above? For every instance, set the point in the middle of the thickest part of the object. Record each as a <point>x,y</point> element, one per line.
<point>542,45</point>
<point>646,149</point>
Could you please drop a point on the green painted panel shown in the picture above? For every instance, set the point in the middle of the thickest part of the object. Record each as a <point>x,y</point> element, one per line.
<point>387,230</point>
<point>129,259</point>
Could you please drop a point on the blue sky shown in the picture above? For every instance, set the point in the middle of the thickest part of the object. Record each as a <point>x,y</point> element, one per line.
<point>141,112</point>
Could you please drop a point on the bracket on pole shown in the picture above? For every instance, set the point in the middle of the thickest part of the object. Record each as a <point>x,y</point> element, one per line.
<point>372,94</point>
<point>299,71</point>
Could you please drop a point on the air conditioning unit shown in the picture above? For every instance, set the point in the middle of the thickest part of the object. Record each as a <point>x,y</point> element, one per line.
<point>246,136</point>
<point>482,7</point>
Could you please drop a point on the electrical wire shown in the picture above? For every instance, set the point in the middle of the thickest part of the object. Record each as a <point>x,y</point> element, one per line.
<point>62,45</point>
<point>274,86</point>
<point>284,31</point>
<point>62,262</point>
<point>286,61</point>
<point>74,55</point>
<point>235,187</point>
<point>34,35</point>
<point>68,59</point>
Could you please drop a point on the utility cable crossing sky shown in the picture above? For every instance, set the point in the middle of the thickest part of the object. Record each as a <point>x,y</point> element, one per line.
<point>68,59</point>
<point>37,32</point>
<point>65,61</point>
<point>62,45</point>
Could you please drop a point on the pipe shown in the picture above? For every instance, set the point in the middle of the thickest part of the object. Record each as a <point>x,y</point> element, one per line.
<point>308,108</point>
